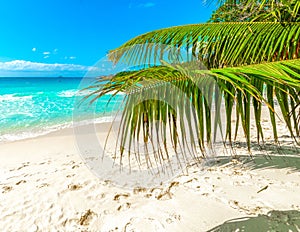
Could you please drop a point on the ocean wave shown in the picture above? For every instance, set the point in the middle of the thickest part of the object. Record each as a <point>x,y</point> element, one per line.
<point>44,130</point>
<point>14,97</point>
<point>19,114</point>
<point>14,136</point>
<point>73,93</point>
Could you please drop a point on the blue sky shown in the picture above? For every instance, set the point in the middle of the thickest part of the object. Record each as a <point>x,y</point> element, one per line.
<point>67,37</point>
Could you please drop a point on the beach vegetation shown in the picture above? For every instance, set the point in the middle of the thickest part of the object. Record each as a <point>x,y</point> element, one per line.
<point>246,57</point>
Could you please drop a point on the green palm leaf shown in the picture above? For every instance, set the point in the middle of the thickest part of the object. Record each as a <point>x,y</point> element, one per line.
<point>217,45</point>
<point>229,69</point>
<point>159,98</point>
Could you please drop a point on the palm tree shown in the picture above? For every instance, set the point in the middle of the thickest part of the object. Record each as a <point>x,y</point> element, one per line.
<point>263,11</point>
<point>247,65</point>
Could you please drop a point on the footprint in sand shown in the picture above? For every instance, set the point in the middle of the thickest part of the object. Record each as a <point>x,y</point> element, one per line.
<point>250,211</point>
<point>6,189</point>
<point>23,166</point>
<point>121,195</point>
<point>166,193</point>
<point>173,217</point>
<point>43,185</point>
<point>164,196</point>
<point>75,166</point>
<point>20,182</point>
<point>116,229</point>
<point>87,217</point>
<point>69,176</point>
<point>124,207</point>
<point>74,187</point>
<point>106,182</point>
<point>138,190</point>
<point>69,163</point>
<point>148,195</point>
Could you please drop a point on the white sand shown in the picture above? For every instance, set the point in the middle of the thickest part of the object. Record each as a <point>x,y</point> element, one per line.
<point>45,186</point>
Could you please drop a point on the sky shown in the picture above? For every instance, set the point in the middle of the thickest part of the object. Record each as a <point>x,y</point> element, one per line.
<point>68,37</point>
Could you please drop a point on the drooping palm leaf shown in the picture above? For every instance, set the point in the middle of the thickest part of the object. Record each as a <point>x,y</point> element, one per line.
<point>160,99</point>
<point>279,80</point>
<point>245,64</point>
<point>216,44</point>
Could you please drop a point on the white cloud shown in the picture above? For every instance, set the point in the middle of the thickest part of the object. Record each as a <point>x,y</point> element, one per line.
<point>33,49</point>
<point>146,5</point>
<point>46,53</point>
<point>141,5</point>
<point>22,65</point>
<point>55,51</point>
<point>45,57</point>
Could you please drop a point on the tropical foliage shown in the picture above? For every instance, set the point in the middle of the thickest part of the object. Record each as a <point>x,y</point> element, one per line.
<point>268,11</point>
<point>239,65</point>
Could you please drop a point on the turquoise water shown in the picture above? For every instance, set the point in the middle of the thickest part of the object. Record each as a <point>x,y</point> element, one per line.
<point>33,106</point>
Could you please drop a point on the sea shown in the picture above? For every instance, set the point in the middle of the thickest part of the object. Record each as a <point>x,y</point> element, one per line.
<point>30,107</point>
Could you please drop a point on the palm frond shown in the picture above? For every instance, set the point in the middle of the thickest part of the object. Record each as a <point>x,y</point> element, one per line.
<point>186,103</point>
<point>275,81</point>
<point>191,76</point>
<point>217,45</point>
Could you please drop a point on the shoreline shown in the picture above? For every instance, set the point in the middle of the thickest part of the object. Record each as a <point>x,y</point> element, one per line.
<point>37,131</point>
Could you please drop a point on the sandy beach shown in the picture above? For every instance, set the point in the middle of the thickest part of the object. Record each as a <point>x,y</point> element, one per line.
<point>150,116</point>
<point>45,185</point>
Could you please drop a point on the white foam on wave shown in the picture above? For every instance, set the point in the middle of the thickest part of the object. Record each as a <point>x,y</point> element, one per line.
<point>13,97</point>
<point>32,133</point>
<point>74,92</point>
<point>36,132</point>
<point>15,114</point>
<point>67,93</point>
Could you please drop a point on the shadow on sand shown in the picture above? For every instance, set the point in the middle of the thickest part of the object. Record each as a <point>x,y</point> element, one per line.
<point>266,157</point>
<point>273,221</point>
<point>263,157</point>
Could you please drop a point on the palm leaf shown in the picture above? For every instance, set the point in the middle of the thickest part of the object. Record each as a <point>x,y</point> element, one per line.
<point>215,44</point>
<point>161,98</point>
